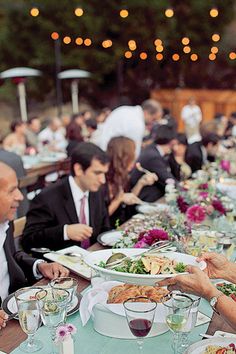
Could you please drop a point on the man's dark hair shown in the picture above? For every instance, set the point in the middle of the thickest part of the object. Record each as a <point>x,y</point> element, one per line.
<point>30,120</point>
<point>91,123</point>
<point>164,135</point>
<point>84,153</point>
<point>233,115</point>
<point>182,139</point>
<point>210,138</point>
<point>15,124</point>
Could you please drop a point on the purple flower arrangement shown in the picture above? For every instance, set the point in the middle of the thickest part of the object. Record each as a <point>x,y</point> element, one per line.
<point>64,331</point>
<point>147,238</point>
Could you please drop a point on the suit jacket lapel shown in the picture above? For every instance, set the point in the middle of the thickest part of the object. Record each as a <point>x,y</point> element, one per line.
<point>69,204</point>
<point>92,203</point>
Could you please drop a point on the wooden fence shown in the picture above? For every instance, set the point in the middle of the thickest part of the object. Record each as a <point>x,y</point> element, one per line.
<point>210,101</point>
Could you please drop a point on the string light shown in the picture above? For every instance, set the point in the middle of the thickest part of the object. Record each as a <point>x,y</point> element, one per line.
<point>55,35</point>
<point>186,49</point>
<point>215,37</point>
<point>79,41</point>
<point>79,12</point>
<point>128,54</point>
<point>157,42</point>
<point>132,44</point>
<point>214,50</point>
<point>169,13</point>
<point>34,12</point>
<point>143,56</point>
<point>107,43</point>
<point>194,57</point>
<point>67,40</point>
<point>232,55</point>
<point>214,12</point>
<point>212,56</point>
<point>124,13</point>
<point>159,48</point>
<point>159,56</point>
<point>175,57</point>
<point>185,40</point>
<point>87,42</point>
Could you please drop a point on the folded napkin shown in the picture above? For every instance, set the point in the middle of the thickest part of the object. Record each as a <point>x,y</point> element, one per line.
<point>98,294</point>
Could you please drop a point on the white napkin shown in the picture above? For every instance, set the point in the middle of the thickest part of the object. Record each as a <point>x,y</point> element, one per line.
<point>98,294</point>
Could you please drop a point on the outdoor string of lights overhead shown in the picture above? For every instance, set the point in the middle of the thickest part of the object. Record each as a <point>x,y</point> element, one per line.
<point>124,13</point>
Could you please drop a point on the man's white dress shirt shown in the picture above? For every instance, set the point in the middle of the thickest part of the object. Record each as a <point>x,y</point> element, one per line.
<point>4,275</point>
<point>125,121</point>
<point>77,195</point>
<point>57,138</point>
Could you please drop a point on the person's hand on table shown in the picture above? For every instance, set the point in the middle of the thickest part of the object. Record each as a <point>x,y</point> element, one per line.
<point>130,199</point>
<point>52,270</point>
<point>196,283</point>
<point>3,319</point>
<point>79,232</point>
<point>217,265</point>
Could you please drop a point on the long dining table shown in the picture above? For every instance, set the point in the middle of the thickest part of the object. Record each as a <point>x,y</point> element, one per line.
<point>87,341</point>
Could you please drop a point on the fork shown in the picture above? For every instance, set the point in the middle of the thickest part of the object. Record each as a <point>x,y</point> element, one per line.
<point>159,245</point>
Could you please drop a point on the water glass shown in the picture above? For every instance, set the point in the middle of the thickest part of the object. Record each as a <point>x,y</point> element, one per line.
<point>177,306</point>
<point>29,317</point>
<point>140,313</point>
<point>68,283</point>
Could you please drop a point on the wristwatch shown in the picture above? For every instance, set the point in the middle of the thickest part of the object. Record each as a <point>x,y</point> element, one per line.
<point>213,302</point>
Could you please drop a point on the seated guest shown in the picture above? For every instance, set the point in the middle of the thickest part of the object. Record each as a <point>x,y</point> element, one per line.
<point>121,151</point>
<point>199,153</point>
<point>17,267</point>
<point>72,211</point>
<point>179,168</point>
<point>15,162</point>
<point>33,128</point>
<point>91,126</point>
<point>16,140</point>
<point>199,284</point>
<point>53,136</point>
<point>73,136</point>
<point>153,159</point>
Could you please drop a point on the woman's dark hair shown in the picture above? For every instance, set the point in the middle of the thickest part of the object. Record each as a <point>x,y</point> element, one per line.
<point>73,132</point>
<point>121,151</point>
<point>164,135</point>
<point>210,138</point>
<point>15,124</point>
<point>84,153</point>
<point>181,138</point>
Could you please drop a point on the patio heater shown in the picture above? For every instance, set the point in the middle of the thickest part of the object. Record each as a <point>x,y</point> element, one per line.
<point>19,76</point>
<point>74,75</point>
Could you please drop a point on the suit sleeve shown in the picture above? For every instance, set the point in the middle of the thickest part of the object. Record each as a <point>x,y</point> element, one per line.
<point>42,228</point>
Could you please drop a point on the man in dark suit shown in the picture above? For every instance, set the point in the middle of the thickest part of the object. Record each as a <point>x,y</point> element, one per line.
<point>17,267</point>
<point>201,152</point>
<point>153,159</point>
<point>16,163</point>
<point>73,210</point>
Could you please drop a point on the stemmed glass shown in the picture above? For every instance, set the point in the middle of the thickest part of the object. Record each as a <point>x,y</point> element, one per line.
<point>140,313</point>
<point>177,307</point>
<point>29,317</point>
<point>68,283</point>
<point>53,305</point>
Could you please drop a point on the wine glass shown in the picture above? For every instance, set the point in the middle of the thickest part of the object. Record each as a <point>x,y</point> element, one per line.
<point>177,307</point>
<point>140,313</point>
<point>29,317</point>
<point>53,305</point>
<point>68,283</point>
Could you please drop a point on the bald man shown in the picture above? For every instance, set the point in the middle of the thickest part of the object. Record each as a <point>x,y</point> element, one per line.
<point>17,267</point>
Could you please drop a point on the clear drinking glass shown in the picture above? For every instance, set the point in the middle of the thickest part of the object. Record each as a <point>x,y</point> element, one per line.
<point>68,283</point>
<point>177,307</point>
<point>53,306</point>
<point>191,322</point>
<point>29,317</point>
<point>140,313</point>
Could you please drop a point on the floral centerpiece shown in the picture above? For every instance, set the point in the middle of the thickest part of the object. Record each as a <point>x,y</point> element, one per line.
<point>64,338</point>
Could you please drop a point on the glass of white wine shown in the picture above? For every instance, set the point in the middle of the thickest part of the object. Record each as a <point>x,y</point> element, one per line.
<point>29,317</point>
<point>177,307</point>
<point>53,305</point>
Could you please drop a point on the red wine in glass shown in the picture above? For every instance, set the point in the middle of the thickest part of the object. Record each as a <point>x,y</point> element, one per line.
<point>140,327</point>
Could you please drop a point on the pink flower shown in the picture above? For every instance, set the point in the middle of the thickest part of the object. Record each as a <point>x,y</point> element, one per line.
<point>196,213</point>
<point>225,165</point>
<point>182,204</point>
<point>71,328</point>
<point>203,186</point>
<point>141,244</point>
<point>148,238</point>
<point>64,331</point>
<point>218,206</point>
<point>203,195</point>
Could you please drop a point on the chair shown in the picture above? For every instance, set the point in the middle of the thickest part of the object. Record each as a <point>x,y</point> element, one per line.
<point>19,225</point>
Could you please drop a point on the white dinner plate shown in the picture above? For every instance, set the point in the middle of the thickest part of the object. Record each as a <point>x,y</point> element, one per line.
<point>76,265</point>
<point>94,258</point>
<point>152,208</point>
<point>10,307</point>
<point>109,238</point>
<point>200,347</point>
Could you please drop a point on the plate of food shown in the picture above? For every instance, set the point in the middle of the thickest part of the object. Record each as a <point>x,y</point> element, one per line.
<point>152,208</point>
<point>10,307</point>
<point>133,266</point>
<point>109,238</point>
<point>228,289</point>
<point>213,346</point>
